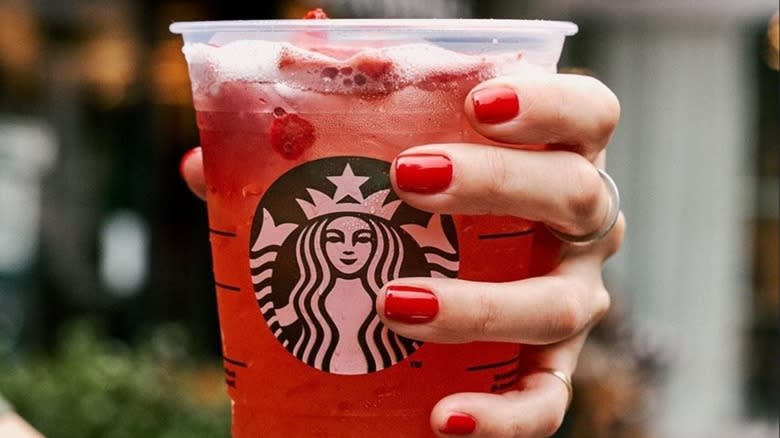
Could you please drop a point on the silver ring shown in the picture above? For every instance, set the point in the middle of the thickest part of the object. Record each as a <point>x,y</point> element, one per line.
<point>563,377</point>
<point>609,223</point>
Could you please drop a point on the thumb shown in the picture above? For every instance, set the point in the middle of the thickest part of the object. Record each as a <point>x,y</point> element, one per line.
<point>191,169</point>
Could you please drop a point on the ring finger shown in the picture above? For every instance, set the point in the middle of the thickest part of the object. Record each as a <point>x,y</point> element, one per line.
<point>537,311</point>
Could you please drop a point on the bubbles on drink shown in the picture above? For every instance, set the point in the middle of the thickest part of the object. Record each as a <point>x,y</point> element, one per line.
<point>365,72</point>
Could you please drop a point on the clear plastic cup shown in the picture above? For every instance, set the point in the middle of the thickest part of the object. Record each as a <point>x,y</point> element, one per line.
<point>299,122</point>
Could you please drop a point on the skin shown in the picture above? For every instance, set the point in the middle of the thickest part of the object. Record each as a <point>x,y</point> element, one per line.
<point>11,426</point>
<point>553,314</point>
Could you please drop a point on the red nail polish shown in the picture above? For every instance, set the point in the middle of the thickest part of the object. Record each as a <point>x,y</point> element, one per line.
<point>459,424</point>
<point>423,173</point>
<point>495,105</point>
<point>410,304</point>
<point>187,155</point>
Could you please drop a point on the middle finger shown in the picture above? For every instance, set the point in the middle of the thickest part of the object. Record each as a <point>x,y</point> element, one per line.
<point>561,188</point>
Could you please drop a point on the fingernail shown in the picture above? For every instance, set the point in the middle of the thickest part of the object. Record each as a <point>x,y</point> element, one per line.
<point>459,424</point>
<point>423,173</point>
<point>495,105</point>
<point>410,304</point>
<point>187,155</point>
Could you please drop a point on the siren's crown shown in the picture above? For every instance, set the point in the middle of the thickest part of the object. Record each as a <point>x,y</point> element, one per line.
<point>348,198</point>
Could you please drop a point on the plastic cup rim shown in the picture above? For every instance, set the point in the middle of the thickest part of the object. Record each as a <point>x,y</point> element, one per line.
<point>465,25</point>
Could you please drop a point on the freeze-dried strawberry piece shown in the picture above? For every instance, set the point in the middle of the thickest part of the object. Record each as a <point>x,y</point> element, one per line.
<point>374,67</point>
<point>316,14</point>
<point>291,134</point>
<point>286,59</point>
<point>329,73</point>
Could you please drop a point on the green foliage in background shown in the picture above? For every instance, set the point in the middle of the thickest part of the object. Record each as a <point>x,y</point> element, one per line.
<point>95,387</point>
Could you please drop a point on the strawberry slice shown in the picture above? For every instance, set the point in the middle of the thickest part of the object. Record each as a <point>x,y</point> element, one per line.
<point>316,14</point>
<point>291,134</point>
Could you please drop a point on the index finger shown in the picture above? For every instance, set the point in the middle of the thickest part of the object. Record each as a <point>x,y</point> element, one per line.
<point>569,111</point>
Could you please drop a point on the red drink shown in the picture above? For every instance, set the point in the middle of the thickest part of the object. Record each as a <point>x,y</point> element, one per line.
<point>305,229</point>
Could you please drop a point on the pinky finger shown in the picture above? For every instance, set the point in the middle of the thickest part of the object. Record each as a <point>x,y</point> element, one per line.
<point>535,411</point>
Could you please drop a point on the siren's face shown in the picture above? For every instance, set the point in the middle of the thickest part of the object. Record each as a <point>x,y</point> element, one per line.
<point>349,243</point>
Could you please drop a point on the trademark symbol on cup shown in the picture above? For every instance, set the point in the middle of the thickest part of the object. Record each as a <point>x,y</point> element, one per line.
<point>415,364</point>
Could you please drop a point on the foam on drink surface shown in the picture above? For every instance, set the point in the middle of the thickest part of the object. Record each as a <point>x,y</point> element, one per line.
<point>340,70</point>
<point>386,95</point>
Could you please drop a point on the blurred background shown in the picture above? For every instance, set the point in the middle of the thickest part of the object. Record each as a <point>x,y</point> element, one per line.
<point>108,324</point>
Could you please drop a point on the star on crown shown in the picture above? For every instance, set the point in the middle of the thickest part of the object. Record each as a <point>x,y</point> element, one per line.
<point>348,198</point>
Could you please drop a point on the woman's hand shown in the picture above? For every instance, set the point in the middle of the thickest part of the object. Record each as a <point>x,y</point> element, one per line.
<point>560,187</point>
<point>12,426</point>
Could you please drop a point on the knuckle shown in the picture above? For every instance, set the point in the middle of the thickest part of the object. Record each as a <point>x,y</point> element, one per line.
<point>559,116</point>
<point>497,178</point>
<point>486,317</point>
<point>570,313</point>
<point>609,119</point>
<point>601,303</point>
<point>585,192</point>
<point>550,426</point>
<point>611,113</point>
<point>553,122</point>
<point>608,109</point>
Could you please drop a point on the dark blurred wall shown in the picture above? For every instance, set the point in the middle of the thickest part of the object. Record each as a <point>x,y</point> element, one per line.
<point>109,82</point>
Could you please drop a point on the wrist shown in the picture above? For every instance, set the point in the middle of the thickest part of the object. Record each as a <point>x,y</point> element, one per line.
<point>5,407</point>
<point>13,426</point>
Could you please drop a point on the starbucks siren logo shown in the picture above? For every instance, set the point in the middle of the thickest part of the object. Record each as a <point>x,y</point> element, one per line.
<point>326,237</point>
